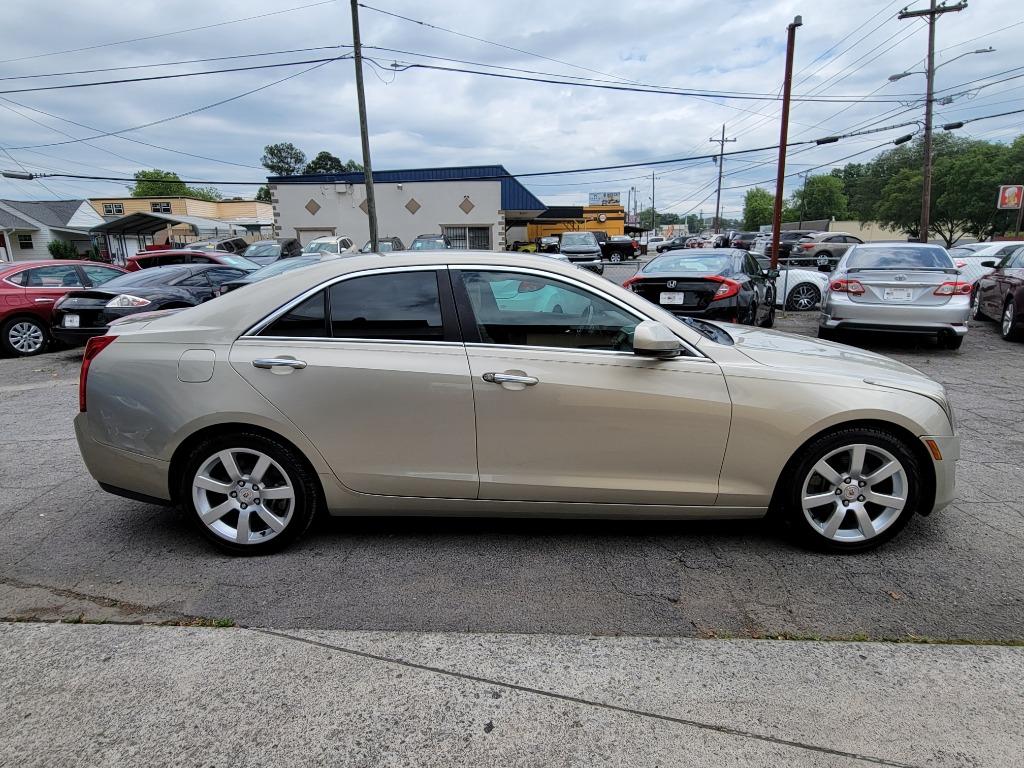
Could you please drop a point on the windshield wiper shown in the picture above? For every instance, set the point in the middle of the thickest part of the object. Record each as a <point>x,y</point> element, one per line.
<point>708,330</point>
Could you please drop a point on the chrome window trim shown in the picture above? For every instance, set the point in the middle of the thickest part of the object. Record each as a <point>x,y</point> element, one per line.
<point>332,340</point>
<point>576,351</point>
<point>694,352</point>
<point>277,313</point>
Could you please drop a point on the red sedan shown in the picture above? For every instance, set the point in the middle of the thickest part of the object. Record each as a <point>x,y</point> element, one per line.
<point>28,291</point>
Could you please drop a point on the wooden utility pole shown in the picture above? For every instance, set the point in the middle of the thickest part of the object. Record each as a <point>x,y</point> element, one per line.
<point>932,14</point>
<point>371,203</point>
<point>780,180</point>
<point>654,211</point>
<point>718,196</point>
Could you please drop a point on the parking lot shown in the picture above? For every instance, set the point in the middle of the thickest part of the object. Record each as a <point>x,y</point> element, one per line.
<point>69,550</point>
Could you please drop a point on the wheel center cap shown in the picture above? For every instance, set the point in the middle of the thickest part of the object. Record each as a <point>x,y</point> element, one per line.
<point>246,496</point>
<point>850,492</point>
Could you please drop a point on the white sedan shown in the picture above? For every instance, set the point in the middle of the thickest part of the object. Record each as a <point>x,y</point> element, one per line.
<point>800,290</point>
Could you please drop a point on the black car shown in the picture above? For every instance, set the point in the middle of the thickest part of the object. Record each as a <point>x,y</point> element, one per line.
<point>619,248</point>
<point>672,244</point>
<point>265,252</point>
<point>430,243</point>
<point>787,241</point>
<point>547,244</point>
<point>583,250</point>
<point>277,268</point>
<point>714,284</point>
<point>80,315</point>
<point>743,240</point>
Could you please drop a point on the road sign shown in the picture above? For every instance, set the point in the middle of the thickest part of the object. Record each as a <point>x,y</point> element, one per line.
<point>1010,196</point>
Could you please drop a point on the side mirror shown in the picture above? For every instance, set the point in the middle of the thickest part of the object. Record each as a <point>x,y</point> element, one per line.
<point>652,339</point>
<point>988,263</point>
<point>771,274</point>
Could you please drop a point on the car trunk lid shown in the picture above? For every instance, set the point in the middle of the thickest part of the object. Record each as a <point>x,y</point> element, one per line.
<point>894,286</point>
<point>697,292</point>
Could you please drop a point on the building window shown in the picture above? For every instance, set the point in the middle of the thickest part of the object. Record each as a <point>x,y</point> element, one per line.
<point>160,207</point>
<point>473,238</point>
<point>25,242</point>
<point>113,209</point>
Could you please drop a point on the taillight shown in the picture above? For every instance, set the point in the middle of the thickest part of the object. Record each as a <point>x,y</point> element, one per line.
<point>93,347</point>
<point>953,289</point>
<point>807,246</point>
<point>629,283</point>
<point>847,286</point>
<point>727,289</point>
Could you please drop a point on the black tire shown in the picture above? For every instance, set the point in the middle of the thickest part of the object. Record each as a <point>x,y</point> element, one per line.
<point>828,334</point>
<point>794,303</point>
<point>1010,327</point>
<point>18,332</point>
<point>792,484</point>
<point>769,319</point>
<point>976,311</point>
<point>751,318</point>
<point>951,341</point>
<point>303,480</point>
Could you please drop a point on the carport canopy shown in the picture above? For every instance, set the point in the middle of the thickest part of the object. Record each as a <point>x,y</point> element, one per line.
<point>142,223</point>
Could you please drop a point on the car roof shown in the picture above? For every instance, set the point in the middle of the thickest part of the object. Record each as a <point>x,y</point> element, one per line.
<point>51,262</point>
<point>179,252</point>
<point>896,244</point>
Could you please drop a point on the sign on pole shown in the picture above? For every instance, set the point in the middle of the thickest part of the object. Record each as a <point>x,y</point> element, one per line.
<point>1010,196</point>
<point>605,198</point>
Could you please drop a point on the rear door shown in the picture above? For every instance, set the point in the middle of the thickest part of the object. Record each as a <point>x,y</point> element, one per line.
<point>582,418</point>
<point>381,382</point>
<point>44,285</point>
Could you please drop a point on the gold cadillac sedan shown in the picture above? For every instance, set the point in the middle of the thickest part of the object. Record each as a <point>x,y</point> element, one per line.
<point>471,383</point>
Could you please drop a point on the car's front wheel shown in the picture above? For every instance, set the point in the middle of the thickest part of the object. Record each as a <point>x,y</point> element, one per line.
<point>803,297</point>
<point>248,493</point>
<point>853,489</point>
<point>615,257</point>
<point>23,336</point>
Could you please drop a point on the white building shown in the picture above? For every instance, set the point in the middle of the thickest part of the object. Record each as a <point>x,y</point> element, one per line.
<point>474,206</point>
<point>28,226</point>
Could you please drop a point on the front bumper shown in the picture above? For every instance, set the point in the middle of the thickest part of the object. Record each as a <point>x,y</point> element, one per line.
<point>839,312</point>
<point>945,469</point>
<point>597,265</point>
<point>129,473</point>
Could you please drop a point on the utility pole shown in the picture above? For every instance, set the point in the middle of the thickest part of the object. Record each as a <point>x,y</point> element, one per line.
<point>932,13</point>
<point>780,180</point>
<point>718,196</point>
<point>654,211</point>
<point>371,203</point>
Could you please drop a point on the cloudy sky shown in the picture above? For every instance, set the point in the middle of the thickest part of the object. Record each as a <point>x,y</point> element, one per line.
<point>421,117</point>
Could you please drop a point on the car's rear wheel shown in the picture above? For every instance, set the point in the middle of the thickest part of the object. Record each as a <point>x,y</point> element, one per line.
<point>249,494</point>
<point>1009,327</point>
<point>803,297</point>
<point>615,257</point>
<point>23,336</point>
<point>828,334</point>
<point>976,311</point>
<point>951,340</point>
<point>853,489</point>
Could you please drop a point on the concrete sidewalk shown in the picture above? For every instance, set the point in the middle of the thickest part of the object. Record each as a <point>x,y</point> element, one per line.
<point>102,695</point>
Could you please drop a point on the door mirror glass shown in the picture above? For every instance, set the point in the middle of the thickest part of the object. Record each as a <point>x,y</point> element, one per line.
<point>771,274</point>
<point>652,339</point>
<point>991,264</point>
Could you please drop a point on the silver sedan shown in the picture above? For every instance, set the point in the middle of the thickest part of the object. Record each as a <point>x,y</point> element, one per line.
<point>467,383</point>
<point>903,287</point>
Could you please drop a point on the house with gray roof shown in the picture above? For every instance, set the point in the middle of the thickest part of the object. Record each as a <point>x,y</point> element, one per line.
<point>28,226</point>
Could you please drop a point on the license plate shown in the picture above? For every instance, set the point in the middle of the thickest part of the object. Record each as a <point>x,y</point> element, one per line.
<point>70,321</point>
<point>672,298</point>
<point>898,294</point>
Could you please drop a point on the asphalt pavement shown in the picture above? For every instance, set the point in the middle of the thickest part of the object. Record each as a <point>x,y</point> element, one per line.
<point>70,551</point>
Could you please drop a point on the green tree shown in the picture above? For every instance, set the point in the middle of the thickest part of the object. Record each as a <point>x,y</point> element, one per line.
<point>263,194</point>
<point>757,208</point>
<point>820,197</point>
<point>693,223</point>
<point>663,218</point>
<point>283,159</point>
<point>157,183</point>
<point>325,162</point>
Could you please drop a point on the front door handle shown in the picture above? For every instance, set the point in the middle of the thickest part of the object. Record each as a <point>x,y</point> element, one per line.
<point>45,301</point>
<point>276,362</point>
<point>510,378</point>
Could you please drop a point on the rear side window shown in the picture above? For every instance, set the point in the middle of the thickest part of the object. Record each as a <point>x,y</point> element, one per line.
<point>307,320</point>
<point>48,277</point>
<point>400,305</point>
<point>877,257</point>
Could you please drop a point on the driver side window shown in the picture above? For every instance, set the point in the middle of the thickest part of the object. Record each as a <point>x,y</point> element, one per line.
<point>522,309</point>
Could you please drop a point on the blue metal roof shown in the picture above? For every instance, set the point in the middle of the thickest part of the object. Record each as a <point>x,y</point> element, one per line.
<point>514,196</point>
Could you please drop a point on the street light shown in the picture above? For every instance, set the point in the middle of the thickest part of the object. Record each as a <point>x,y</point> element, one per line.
<point>24,175</point>
<point>901,75</point>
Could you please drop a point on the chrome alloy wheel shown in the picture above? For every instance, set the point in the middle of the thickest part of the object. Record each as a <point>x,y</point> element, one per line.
<point>803,297</point>
<point>854,493</point>
<point>243,495</point>
<point>26,337</point>
<point>1008,319</point>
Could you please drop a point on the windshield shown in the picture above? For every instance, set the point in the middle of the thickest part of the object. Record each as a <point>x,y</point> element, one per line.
<point>321,246</point>
<point>710,263</point>
<point>425,244</point>
<point>578,238</point>
<point>881,257</point>
<point>284,265</point>
<point>152,276</point>
<point>383,246</point>
<point>261,250</point>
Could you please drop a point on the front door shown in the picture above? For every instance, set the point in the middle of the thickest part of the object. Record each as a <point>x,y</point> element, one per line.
<point>372,371</point>
<point>566,412</point>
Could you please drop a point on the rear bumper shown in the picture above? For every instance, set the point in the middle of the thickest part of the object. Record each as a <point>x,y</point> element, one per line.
<point>76,336</point>
<point>131,474</point>
<point>945,470</point>
<point>839,312</point>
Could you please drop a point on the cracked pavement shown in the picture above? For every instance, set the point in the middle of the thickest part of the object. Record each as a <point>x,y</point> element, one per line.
<point>69,550</point>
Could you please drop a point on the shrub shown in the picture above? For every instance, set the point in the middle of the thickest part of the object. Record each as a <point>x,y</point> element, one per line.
<point>62,249</point>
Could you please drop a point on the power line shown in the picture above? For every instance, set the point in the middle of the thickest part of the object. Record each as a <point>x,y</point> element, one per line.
<point>167,34</point>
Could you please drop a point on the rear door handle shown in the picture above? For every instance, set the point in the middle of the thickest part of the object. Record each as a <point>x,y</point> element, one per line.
<point>509,378</point>
<point>278,362</point>
<point>45,301</point>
